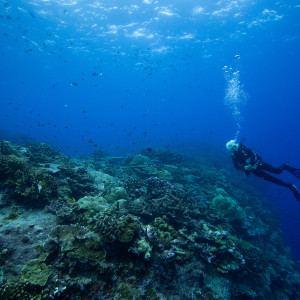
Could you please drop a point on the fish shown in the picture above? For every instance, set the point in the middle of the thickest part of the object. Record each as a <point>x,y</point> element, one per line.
<point>39,186</point>
<point>74,84</point>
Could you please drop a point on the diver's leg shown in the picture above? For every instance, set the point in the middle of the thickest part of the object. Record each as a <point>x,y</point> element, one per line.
<point>272,169</point>
<point>292,170</point>
<point>260,173</point>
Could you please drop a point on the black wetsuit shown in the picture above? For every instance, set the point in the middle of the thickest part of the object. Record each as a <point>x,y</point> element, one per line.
<point>244,156</point>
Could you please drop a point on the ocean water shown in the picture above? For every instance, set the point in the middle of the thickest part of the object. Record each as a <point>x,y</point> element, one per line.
<point>121,76</point>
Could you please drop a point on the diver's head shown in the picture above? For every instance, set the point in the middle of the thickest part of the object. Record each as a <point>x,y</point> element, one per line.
<point>232,145</point>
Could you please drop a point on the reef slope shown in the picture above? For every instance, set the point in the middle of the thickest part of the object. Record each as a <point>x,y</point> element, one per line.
<point>153,225</point>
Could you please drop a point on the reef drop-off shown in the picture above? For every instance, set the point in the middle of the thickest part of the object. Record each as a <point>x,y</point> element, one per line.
<point>151,225</point>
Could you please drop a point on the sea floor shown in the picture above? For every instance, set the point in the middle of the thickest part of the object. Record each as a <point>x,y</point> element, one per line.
<point>155,224</point>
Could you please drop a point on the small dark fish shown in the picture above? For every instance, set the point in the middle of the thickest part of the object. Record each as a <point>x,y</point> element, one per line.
<point>95,74</point>
<point>95,145</point>
<point>145,133</point>
<point>74,84</point>
<point>149,149</point>
<point>53,85</point>
<point>31,14</point>
<point>84,111</point>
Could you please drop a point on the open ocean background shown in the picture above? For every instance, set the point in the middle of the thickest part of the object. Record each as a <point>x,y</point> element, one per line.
<point>126,75</point>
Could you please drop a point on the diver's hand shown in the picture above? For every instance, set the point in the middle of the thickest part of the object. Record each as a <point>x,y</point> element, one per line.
<point>248,168</point>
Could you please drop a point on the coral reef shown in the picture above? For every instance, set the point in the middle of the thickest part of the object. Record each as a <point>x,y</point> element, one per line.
<point>36,271</point>
<point>40,153</point>
<point>17,173</point>
<point>153,225</point>
<point>6,148</point>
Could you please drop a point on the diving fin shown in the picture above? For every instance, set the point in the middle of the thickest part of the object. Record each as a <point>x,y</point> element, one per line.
<point>295,191</point>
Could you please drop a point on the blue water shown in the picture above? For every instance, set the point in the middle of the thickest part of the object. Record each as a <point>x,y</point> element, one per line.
<point>124,75</point>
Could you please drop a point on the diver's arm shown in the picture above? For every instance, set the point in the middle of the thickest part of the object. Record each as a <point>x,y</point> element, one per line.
<point>236,164</point>
<point>240,167</point>
<point>247,169</point>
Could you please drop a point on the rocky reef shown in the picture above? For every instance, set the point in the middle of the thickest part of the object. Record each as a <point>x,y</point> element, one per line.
<point>151,225</point>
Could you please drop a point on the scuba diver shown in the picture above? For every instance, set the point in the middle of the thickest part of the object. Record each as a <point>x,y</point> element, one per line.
<point>247,160</point>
